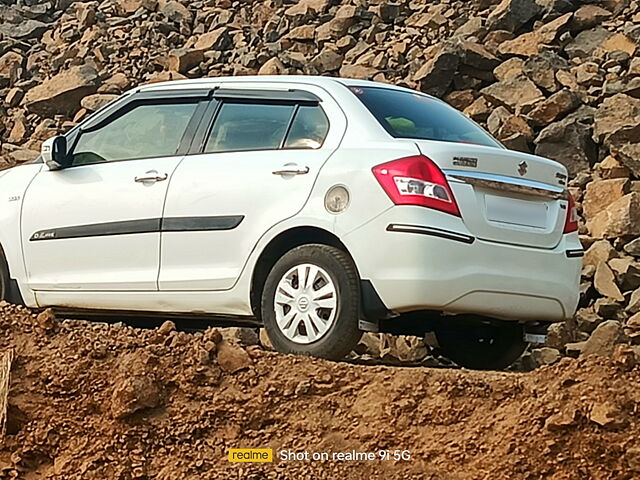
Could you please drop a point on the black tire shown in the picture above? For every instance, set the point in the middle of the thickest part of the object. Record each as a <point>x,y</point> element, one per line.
<point>4,277</point>
<point>343,334</point>
<point>482,345</point>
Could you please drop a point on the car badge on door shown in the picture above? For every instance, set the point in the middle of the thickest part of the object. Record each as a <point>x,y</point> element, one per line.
<point>522,168</point>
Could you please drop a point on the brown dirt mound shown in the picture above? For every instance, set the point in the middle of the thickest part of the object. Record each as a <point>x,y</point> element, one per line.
<point>94,401</point>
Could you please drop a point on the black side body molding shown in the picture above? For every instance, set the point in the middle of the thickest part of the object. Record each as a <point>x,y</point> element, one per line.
<point>432,231</point>
<point>149,225</point>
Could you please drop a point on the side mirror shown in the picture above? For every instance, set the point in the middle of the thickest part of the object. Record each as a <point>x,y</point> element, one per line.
<point>54,153</point>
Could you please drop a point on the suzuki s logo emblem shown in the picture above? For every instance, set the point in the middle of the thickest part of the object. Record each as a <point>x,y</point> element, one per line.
<point>522,168</point>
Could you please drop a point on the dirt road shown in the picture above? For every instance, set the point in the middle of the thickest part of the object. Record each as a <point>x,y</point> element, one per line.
<point>91,401</point>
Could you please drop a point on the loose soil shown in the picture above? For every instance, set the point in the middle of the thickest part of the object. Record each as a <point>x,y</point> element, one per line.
<point>111,402</point>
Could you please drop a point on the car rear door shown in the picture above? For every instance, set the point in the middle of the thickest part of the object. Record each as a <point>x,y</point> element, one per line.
<point>254,164</point>
<point>95,226</point>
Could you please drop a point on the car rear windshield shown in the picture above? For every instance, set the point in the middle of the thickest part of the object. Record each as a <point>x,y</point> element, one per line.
<point>413,115</point>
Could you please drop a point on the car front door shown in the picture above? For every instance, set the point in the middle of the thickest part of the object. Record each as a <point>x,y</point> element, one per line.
<point>255,166</point>
<point>95,225</point>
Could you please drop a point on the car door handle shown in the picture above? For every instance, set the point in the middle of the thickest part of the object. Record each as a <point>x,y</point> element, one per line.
<point>152,176</point>
<point>292,170</point>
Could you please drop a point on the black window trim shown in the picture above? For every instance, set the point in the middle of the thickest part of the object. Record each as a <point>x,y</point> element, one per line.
<point>164,97</point>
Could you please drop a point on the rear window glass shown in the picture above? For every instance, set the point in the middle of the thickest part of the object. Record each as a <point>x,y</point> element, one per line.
<point>413,115</point>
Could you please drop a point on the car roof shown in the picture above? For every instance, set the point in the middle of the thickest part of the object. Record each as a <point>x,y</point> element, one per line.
<point>326,82</point>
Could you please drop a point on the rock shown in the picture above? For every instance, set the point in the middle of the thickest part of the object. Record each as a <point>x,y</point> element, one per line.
<point>477,56</point>
<point>508,69</point>
<point>634,302</point>
<point>604,339</point>
<point>10,67</point>
<point>166,76</point>
<point>610,167</point>
<point>63,92</point>
<point>437,73</point>
<point>569,141</point>
<point>530,43</point>
<point>600,251</point>
<point>327,61</point>
<point>588,16</point>
<point>545,356</point>
<point>586,42</point>
<point>604,282</point>
<point>633,247</point>
<point>554,108</point>
<point>587,320</point>
<point>542,70</point>
<point>632,458</point>
<point>265,341</point>
<point>627,271</point>
<point>307,7</point>
<point>607,308</point>
<point>358,71</point>
<point>617,120</point>
<point>619,43</point>
<point>133,394</point>
<point>184,59</point>
<point>621,218</point>
<point>25,30</point>
<point>217,39</point>
<point>561,420</point>
<point>273,66</point>
<point>558,335</point>
<point>97,101</point>
<point>600,194</point>
<point>117,83</point>
<point>232,358</point>
<point>460,99</point>
<point>512,14</point>
<point>479,110</point>
<point>46,320</point>
<point>166,328</point>
<point>607,415</point>
<point>629,155</point>
<point>241,336</point>
<point>175,11</point>
<point>128,7</point>
<point>624,357</point>
<point>14,97</point>
<point>588,74</point>
<point>513,93</point>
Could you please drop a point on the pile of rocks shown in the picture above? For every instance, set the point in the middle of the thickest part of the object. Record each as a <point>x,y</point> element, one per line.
<point>559,78</point>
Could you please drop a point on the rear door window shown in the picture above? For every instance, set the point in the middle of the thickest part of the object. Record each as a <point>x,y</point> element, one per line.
<point>309,128</point>
<point>247,126</point>
<point>414,115</point>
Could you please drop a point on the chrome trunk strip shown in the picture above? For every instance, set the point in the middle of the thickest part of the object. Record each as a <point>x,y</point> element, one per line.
<point>508,184</point>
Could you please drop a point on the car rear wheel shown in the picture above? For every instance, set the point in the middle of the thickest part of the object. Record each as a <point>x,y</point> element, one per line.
<point>482,346</point>
<point>310,302</point>
<point>4,277</point>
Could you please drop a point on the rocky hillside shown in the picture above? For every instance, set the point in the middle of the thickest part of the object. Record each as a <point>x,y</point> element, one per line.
<point>560,78</point>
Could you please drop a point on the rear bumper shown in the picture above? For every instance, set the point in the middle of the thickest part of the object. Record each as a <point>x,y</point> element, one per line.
<point>414,265</point>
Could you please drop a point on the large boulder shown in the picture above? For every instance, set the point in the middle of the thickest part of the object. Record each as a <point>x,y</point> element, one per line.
<point>569,141</point>
<point>620,219</point>
<point>513,14</point>
<point>513,93</point>
<point>436,75</point>
<point>62,93</point>
<point>617,120</point>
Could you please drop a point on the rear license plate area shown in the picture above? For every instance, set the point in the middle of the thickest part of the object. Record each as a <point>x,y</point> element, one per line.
<point>514,211</point>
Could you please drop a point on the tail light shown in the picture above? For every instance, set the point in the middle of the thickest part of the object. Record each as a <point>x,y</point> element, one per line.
<point>416,180</point>
<point>571,223</point>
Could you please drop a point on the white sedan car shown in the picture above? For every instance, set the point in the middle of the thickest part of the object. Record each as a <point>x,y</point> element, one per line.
<point>317,207</point>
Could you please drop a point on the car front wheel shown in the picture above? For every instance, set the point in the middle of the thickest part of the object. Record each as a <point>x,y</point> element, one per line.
<point>310,302</point>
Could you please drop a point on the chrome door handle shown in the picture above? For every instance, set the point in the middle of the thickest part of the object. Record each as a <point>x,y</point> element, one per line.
<point>152,176</point>
<point>291,170</point>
